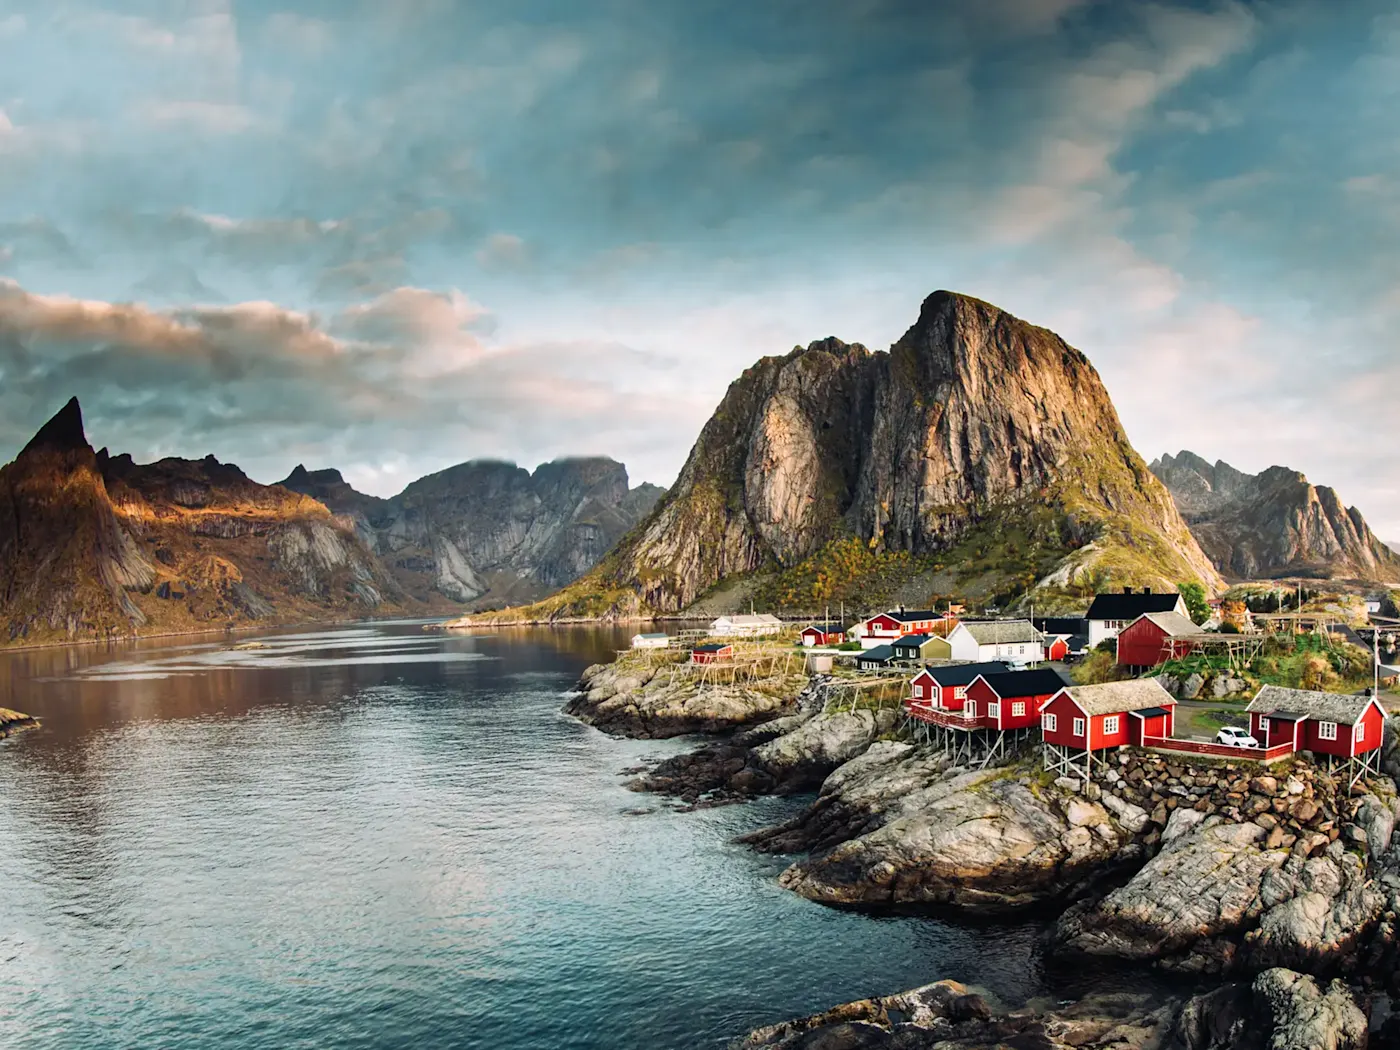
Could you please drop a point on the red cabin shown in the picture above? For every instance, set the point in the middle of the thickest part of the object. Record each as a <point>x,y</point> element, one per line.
<point>946,687</point>
<point>1347,727</point>
<point>1056,647</point>
<point>1080,720</point>
<point>711,653</point>
<point>1154,638</point>
<point>898,622</point>
<point>823,634</point>
<point>1013,699</point>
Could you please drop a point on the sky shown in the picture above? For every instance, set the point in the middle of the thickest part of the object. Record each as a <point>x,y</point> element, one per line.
<point>389,237</point>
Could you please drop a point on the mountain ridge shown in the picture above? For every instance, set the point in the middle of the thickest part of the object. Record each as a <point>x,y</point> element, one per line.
<point>489,529</point>
<point>96,546</point>
<point>1273,524</point>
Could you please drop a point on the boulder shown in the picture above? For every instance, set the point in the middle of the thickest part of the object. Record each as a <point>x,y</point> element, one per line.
<point>1191,687</point>
<point>981,840</point>
<point>1305,1016</point>
<point>805,756</point>
<point>1132,818</point>
<point>1221,896</point>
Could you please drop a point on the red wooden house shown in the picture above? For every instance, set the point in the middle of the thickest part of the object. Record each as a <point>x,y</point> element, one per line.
<point>711,653</point>
<point>1056,646</point>
<point>1080,720</point>
<point>823,634</point>
<point>1154,638</point>
<point>887,626</point>
<point>1011,700</point>
<point>946,687</point>
<point>1350,728</point>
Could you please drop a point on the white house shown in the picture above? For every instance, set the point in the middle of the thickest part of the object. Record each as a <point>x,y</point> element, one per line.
<point>1013,641</point>
<point>746,624</point>
<point>1110,613</point>
<point>650,641</point>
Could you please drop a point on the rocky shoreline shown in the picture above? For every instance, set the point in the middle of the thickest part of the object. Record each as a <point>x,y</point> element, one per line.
<point>1220,872</point>
<point>1278,1010</point>
<point>643,697</point>
<point>14,721</point>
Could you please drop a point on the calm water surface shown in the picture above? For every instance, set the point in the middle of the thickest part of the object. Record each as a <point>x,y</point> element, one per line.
<point>379,837</point>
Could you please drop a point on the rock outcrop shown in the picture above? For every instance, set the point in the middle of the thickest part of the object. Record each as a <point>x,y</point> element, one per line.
<point>1273,524</point>
<point>1279,1010</point>
<point>984,841</point>
<point>1283,877</point>
<point>96,546</point>
<point>14,721</point>
<point>490,530</point>
<point>787,755</point>
<point>635,698</point>
<point>974,424</point>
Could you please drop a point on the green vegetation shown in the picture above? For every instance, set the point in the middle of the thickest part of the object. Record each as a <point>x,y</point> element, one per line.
<point>1197,603</point>
<point>843,570</point>
<point>1097,667</point>
<point>1294,662</point>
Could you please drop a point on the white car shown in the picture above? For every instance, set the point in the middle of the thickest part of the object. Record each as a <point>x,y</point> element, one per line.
<point>1235,736</point>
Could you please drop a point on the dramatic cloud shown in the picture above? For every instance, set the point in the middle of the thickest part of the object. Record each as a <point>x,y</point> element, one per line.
<point>1203,196</point>
<point>406,384</point>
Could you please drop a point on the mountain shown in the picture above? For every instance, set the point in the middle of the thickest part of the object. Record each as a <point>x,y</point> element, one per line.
<point>94,546</point>
<point>1273,524</point>
<point>490,530</point>
<point>981,445</point>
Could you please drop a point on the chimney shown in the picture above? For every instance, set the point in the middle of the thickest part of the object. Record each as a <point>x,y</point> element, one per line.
<point>1127,590</point>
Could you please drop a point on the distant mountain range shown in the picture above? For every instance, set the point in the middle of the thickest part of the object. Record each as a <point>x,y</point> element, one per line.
<point>977,436</point>
<point>1273,524</point>
<point>95,546</point>
<point>490,529</point>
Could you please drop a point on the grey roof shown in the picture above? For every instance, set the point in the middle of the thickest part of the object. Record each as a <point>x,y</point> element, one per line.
<point>1113,697</point>
<point>1328,707</point>
<point>662,635</point>
<point>1002,632</point>
<point>881,653</point>
<point>1176,625</point>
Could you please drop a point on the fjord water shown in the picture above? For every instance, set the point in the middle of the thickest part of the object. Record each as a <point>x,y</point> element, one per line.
<point>379,837</point>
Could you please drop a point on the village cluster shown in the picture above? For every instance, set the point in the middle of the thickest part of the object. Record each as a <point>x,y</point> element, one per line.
<point>980,688</point>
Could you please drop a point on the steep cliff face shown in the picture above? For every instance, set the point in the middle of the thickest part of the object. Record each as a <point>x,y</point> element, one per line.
<point>972,421</point>
<point>490,529</point>
<point>1273,524</point>
<point>96,546</point>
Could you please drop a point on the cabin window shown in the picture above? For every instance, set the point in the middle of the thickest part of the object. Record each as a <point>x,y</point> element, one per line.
<point>1018,709</point>
<point>1110,725</point>
<point>994,710</point>
<point>1360,734</point>
<point>1327,730</point>
<point>1079,727</point>
<point>1047,722</point>
<point>1021,650</point>
<point>960,692</point>
<point>918,690</point>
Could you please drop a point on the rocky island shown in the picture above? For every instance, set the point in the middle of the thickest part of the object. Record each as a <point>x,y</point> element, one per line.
<point>14,721</point>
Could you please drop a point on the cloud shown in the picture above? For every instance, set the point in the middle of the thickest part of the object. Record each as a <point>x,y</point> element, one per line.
<point>503,251</point>
<point>407,378</point>
<point>214,118</point>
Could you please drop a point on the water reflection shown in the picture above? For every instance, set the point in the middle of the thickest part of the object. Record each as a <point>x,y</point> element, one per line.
<point>376,837</point>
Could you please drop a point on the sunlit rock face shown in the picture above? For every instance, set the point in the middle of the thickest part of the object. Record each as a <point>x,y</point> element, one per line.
<point>974,420</point>
<point>93,545</point>
<point>1273,524</point>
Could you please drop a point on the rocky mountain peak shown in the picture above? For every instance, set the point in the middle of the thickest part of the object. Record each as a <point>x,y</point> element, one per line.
<point>62,433</point>
<point>973,423</point>
<point>1273,524</point>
